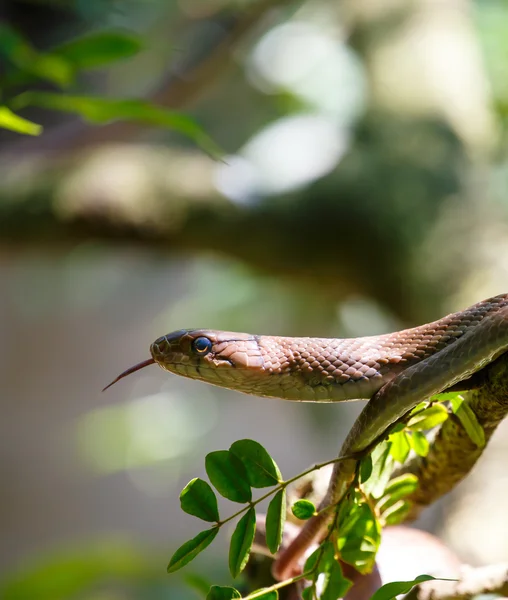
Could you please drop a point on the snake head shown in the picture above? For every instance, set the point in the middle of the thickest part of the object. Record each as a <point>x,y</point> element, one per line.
<point>207,355</point>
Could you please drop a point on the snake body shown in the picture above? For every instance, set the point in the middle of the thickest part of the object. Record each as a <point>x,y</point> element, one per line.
<point>394,372</point>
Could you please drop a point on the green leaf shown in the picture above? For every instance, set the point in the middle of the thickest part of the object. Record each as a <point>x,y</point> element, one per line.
<point>312,560</point>
<point>197,498</point>
<point>469,421</point>
<point>400,446</point>
<point>382,467</point>
<point>365,468</point>
<point>10,120</point>
<point>419,407</point>
<point>428,418</point>
<point>419,443</point>
<point>393,589</point>
<point>262,471</point>
<point>401,486</point>
<point>398,488</point>
<point>303,509</point>
<point>228,476</point>
<point>107,110</point>
<point>335,584</point>
<point>275,520</point>
<point>396,513</point>
<point>359,534</point>
<point>22,55</point>
<point>241,542</point>
<point>98,49</point>
<point>191,549</point>
<point>218,592</point>
<point>271,595</point>
<point>309,593</point>
<point>446,397</point>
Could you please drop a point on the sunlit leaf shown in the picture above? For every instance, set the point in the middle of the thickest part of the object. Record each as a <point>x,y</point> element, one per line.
<point>107,110</point>
<point>191,549</point>
<point>400,446</point>
<point>218,592</point>
<point>303,509</point>
<point>228,475</point>
<point>241,542</point>
<point>419,443</point>
<point>393,589</point>
<point>428,418</point>
<point>469,421</point>
<point>197,498</point>
<point>262,471</point>
<point>275,520</point>
<point>400,487</point>
<point>359,534</point>
<point>98,49</point>
<point>12,121</point>
<point>396,513</point>
<point>382,467</point>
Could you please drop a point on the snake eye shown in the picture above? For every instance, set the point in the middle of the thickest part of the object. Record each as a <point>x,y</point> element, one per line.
<point>201,346</point>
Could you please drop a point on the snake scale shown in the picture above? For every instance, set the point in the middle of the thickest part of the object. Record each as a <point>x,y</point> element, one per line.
<point>394,372</point>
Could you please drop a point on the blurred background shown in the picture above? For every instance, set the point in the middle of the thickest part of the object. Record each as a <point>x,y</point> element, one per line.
<point>363,188</point>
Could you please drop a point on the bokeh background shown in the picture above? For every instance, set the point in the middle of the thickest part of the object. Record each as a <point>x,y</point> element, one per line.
<point>364,188</point>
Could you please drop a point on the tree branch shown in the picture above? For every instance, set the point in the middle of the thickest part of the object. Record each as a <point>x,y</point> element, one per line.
<point>452,454</point>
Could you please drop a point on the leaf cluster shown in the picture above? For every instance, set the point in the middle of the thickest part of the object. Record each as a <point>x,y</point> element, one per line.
<point>60,68</point>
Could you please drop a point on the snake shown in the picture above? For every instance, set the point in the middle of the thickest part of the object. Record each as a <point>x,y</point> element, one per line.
<point>394,372</point>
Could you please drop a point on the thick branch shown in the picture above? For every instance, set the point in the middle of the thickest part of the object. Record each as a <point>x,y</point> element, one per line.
<point>452,454</point>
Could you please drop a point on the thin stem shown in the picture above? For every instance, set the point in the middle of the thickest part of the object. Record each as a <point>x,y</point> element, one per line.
<point>281,486</point>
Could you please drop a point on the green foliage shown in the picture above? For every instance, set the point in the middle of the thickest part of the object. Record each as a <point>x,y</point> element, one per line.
<point>382,467</point>
<point>228,475</point>
<point>427,419</point>
<point>275,520</point>
<point>400,446</point>
<point>197,498</point>
<point>98,49</point>
<point>262,470</point>
<point>359,532</point>
<point>241,542</point>
<point>323,563</point>
<point>222,593</point>
<point>303,509</point>
<point>419,443</point>
<point>20,54</point>
<point>393,589</point>
<point>392,506</point>
<point>375,499</point>
<point>61,66</point>
<point>191,549</point>
<point>465,414</point>
<point>12,121</point>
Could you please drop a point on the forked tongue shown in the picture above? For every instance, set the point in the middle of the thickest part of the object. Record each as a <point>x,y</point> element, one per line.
<point>140,365</point>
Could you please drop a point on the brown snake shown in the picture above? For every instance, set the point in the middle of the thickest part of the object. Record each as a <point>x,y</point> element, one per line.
<point>394,372</point>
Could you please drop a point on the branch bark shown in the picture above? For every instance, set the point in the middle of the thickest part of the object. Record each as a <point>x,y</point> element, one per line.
<point>452,454</point>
